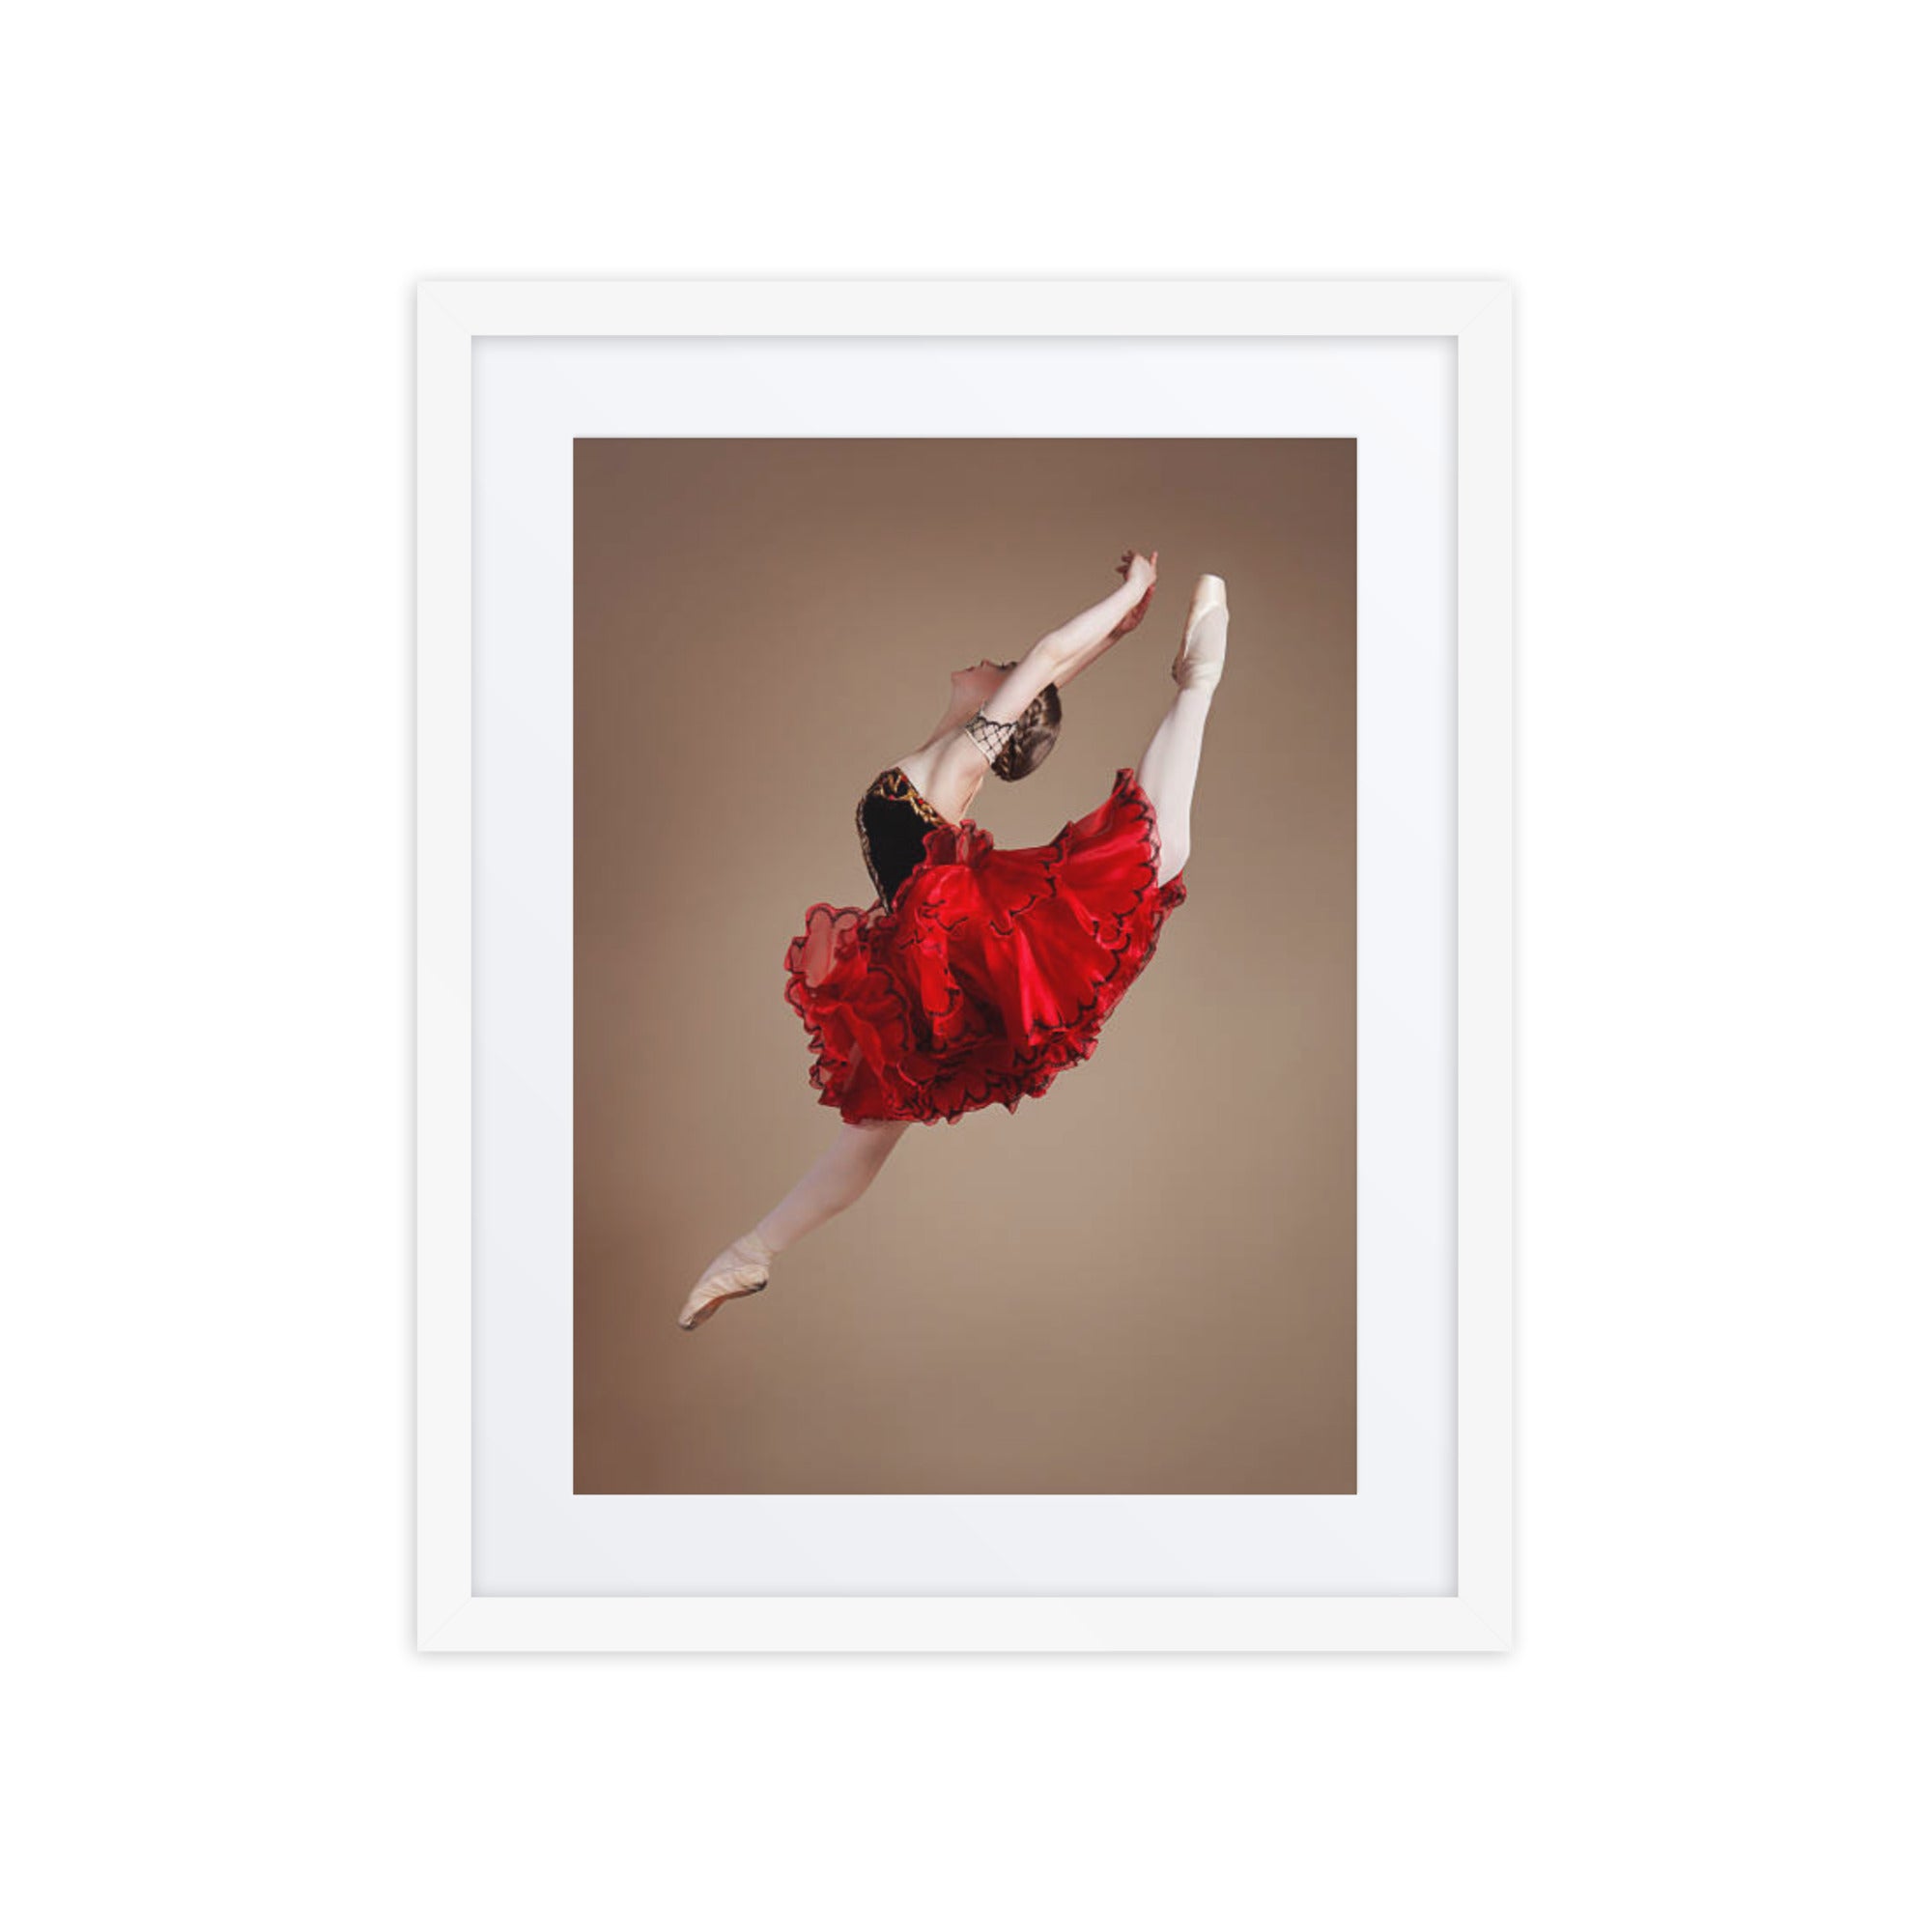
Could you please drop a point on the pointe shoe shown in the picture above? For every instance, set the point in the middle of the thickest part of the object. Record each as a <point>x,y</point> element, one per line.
<point>745,1268</point>
<point>1200,669</point>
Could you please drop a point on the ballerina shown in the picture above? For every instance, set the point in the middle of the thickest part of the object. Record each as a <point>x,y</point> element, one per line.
<point>981,972</point>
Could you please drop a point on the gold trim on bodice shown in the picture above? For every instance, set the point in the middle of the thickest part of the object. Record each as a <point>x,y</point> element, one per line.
<point>893,783</point>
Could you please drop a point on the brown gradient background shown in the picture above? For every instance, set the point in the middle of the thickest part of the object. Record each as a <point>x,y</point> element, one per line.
<point>1142,1282</point>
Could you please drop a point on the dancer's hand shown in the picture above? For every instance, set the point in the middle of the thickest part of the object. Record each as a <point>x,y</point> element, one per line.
<point>1136,569</point>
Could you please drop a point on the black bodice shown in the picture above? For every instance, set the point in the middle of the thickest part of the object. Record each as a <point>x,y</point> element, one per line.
<point>894,820</point>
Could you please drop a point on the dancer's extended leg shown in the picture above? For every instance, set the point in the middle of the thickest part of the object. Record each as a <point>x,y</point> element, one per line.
<point>830,1186</point>
<point>1171,761</point>
<point>832,1182</point>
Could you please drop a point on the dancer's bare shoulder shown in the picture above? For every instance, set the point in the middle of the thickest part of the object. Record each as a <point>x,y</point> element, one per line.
<point>946,773</point>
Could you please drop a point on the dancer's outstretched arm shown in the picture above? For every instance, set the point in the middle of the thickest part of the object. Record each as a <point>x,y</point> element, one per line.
<point>1068,649</point>
<point>1119,613</point>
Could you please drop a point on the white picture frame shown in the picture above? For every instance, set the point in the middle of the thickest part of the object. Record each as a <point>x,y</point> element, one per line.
<point>1474,319</point>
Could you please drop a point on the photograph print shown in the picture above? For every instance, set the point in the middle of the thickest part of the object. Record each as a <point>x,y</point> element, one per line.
<point>964,921</point>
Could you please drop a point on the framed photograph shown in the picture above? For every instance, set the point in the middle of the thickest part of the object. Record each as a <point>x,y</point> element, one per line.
<point>965,1008</point>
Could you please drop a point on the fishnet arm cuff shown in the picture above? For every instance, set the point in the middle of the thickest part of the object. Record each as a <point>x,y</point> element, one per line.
<point>990,734</point>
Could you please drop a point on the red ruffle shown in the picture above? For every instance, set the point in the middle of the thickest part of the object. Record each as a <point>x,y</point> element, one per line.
<point>992,971</point>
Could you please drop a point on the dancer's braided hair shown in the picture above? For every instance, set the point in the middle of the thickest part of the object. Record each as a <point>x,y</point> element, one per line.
<point>1033,736</point>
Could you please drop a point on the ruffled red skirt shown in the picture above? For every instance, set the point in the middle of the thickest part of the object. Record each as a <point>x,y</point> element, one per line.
<point>992,971</point>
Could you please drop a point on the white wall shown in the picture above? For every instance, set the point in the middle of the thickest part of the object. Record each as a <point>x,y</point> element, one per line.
<point>1709,214</point>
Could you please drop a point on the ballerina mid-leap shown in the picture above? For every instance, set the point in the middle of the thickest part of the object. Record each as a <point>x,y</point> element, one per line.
<point>982,972</point>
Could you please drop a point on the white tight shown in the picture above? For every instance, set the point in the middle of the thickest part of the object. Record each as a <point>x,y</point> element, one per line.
<point>1172,762</point>
<point>832,1182</point>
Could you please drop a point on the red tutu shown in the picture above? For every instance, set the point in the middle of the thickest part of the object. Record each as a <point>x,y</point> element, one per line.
<point>991,972</point>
